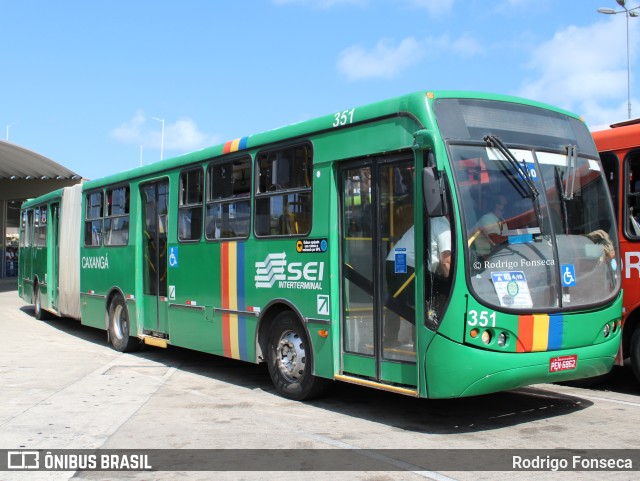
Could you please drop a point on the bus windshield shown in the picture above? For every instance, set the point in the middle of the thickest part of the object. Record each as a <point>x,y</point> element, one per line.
<point>537,222</point>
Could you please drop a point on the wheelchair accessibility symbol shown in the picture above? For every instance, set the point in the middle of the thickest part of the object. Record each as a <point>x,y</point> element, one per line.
<point>568,275</point>
<point>173,257</point>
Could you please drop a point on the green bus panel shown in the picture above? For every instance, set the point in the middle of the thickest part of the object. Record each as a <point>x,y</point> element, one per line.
<point>547,332</point>
<point>456,369</point>
<point>322,348</point>
<point>92,308</point>
<point>364,366</point>
<point>189,327</point>
<point>399,373</point>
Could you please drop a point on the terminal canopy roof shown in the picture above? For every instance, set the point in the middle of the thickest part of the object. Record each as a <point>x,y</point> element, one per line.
<point>17,163</point>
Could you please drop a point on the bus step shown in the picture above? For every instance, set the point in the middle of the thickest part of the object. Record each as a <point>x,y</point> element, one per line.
<point>377,385</point>
<point>154,341</point>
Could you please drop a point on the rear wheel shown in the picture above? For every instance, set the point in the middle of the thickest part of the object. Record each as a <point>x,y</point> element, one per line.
<point>119,327</point>
<point>635,352</point>
<point>39,313</point>
<point>291,361</point>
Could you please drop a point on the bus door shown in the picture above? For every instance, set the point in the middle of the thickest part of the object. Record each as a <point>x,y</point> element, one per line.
<point>155,201</point>
<point>54,272</point>
<point>25,261</point>
<point>378,262</point>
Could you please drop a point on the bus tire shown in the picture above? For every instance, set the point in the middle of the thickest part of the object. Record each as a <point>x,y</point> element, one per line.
<point>635,352</point>
<point>290,360</point>
<point>38,312</point>
<point>119,327</point>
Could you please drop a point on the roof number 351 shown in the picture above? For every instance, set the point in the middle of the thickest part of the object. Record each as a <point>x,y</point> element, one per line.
<point>343,118</point>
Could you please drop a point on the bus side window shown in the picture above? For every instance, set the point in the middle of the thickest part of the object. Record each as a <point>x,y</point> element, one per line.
<point>283,198</point>
<point>93,219</point>
<point>116,222</point>
<point>191,197</point>
<point>40,226</point>
<point>228,199</point>
<point>633,195</point>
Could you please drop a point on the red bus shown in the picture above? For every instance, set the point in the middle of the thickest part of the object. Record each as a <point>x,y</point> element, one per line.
<point>619,149</point>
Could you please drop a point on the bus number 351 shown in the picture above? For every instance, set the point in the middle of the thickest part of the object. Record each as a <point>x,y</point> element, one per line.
<point>481,319</point>
<point>343,118</point>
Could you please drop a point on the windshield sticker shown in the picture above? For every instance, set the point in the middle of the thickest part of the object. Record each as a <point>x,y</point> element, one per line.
<point>400,260</point>
<point>512,289</point>
<point>568,275</point>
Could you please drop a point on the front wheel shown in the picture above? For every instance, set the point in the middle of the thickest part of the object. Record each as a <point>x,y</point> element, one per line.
<point>635,352</point>
<point>290,360</point>
<point>119,327</point>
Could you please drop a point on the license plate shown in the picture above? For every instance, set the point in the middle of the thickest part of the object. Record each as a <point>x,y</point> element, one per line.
<point>563,363</point>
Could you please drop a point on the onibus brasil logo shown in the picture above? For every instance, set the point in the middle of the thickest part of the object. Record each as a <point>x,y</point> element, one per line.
<point>288,275</point>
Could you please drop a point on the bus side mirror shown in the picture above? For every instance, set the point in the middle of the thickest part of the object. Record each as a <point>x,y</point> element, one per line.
<point>432,193</point>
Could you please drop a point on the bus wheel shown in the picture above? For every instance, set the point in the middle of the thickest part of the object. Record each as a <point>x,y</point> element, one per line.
<point>119,327</point>
<point>39,313</point>
<point>290,360</point>
<point>635,352</point>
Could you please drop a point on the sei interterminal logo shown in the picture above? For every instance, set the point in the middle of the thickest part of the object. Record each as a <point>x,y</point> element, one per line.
<point>23,460</point>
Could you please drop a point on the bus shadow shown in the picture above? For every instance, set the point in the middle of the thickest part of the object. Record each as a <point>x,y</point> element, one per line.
<point>620,380</point>
<point>429,416</point>
<point>454,416</point>
<point>70,326</point>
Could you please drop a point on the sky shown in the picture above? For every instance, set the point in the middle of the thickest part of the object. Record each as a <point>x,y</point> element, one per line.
<point>89,84</point>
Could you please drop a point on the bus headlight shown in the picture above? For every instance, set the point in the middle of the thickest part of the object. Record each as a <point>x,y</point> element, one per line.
<point>607,330</point>
<point>502,339</point>
<point>486,337</point>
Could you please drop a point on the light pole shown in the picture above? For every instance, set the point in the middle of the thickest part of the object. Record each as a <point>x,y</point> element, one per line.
<point>633,12</point>
<point>161,138</point>
<point>8,126</point>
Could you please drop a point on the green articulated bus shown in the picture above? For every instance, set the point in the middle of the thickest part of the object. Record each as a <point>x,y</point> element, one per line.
<point>438,244</point>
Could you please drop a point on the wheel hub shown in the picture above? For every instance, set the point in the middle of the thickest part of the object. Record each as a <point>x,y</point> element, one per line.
<point>291,356</point>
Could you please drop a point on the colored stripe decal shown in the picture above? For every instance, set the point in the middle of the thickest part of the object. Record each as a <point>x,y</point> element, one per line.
<point>242,320</point>
<point>525,334</point>
<point>556,325</point>
<point>224,287</point>
<point>234,329</point>
<point>233,300</point>
<point>539,332</point>
<point>235,145</point>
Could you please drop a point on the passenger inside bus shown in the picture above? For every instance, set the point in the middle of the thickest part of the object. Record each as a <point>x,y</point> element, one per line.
<point>287,221</point>
<point>401,273</point>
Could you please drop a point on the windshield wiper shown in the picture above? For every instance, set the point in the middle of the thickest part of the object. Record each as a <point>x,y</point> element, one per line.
<point>572,154</point>
<point>521,169</point>
<point>522,173</point>
<point>559,176</point>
